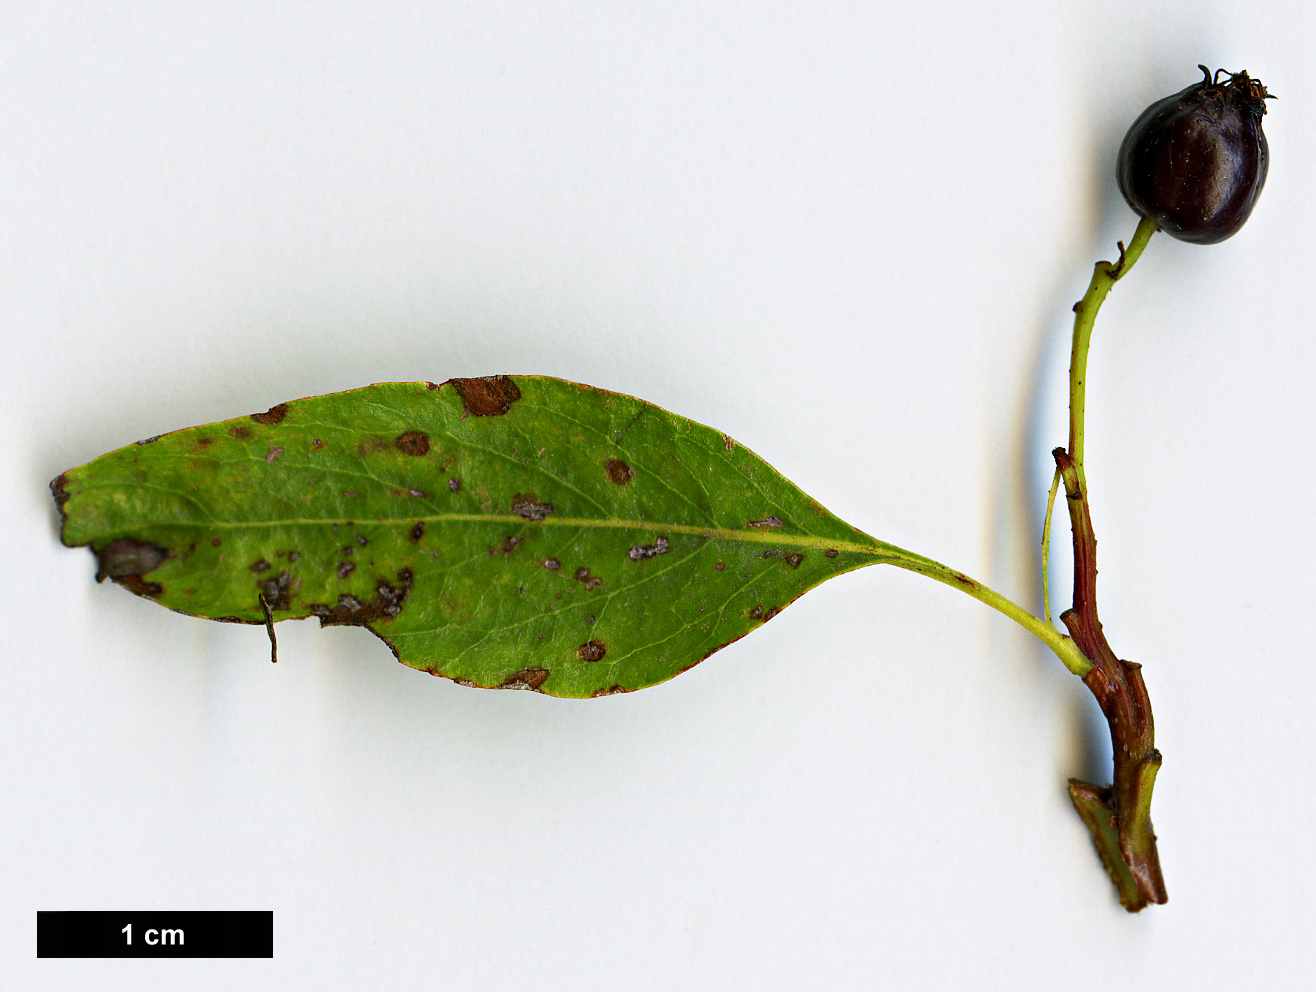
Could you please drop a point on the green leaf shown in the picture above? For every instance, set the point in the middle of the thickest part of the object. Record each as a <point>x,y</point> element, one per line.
<point>522,533</point>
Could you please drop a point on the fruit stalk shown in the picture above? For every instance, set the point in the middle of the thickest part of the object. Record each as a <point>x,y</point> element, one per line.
<point>1118,816</point>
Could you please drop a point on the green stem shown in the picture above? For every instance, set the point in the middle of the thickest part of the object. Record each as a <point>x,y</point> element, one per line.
<point>1065,649</point>
<point>1104,277</point>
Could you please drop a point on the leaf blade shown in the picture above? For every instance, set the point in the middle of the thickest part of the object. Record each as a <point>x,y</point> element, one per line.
<point>518,533</point>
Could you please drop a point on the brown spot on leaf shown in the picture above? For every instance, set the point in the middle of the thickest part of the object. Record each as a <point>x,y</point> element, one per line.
<point>362,540</point>
<point>271,416</point>
<point>640,552</point>
<point>765,522</point>
<point>203,442</point>
<point>412,443</point>
<point>241,431</point>
<point>793,560</point>
<point>618,471</point>
<point>527,505</point>
<point>592,651</point>
<point>508,547</point>
<point>215,542</point>
<point>552,564</point>
<point>757,612</point>
<point>350,611</point>
<point>275,591</point>
<point>150,440</point>
<point>454,485</point>
<point>294,555</point>
<point>273,453</point>
<point>346,569</point>
<point>612,690</point>
<point>526,678</point>
<point>719,566</point>
<point>727,442</point>
<point>487,396</point>
<point>770,614</point>
<point>582,574</point>
<point>127,556</point>
<point>592,584</point>
<point>830,553</point>
<point>260,565</point>
<point>418,531</point>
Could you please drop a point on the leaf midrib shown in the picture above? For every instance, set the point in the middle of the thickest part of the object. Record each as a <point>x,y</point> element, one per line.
<point>755,536</point>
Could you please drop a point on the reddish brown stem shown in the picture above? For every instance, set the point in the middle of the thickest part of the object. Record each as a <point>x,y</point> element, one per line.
<point>1122,696</point>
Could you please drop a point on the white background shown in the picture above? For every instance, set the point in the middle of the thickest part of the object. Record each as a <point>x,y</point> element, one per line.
<point>846,234</point>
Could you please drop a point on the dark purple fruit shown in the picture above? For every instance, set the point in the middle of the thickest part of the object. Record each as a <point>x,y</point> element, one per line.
<point>1195,162</point>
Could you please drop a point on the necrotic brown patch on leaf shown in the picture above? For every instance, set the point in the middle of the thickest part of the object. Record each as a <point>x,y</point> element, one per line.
<point>241,432</point>
<point>527,505</point>
<point>552,564</point>
<point>487,396</point>
<point>640,552</point>
<point>260,565</point>
<point>135,584</point>
<point>793,560</point>
<point>418,531</point>
<point>127,556</point>
<point>830,553</point>
<point>612,690</point>
<point>350,611</point>
<point>271,416</point>
<point>412,443</point>
<point>592,651</point>
<point>618,471</point>
<point>526,678</point>
<point>346,569</point>
<point>274,592</point>
<point>59,492</point>
<point>454,485</point>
